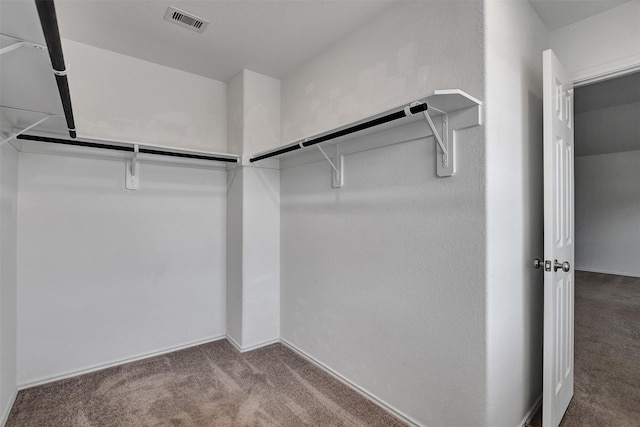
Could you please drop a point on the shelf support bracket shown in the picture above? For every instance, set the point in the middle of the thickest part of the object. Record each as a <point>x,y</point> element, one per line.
<point>11,48</point>
<point>133,170</point>
<point>337,164</point>
<point>445,160</point>
<point>15,135</point>
<point>18,44</point>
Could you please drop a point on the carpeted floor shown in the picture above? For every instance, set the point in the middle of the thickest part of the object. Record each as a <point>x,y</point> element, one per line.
<point>214,385</point>
<point>607,353</point>
<point>208,385</point>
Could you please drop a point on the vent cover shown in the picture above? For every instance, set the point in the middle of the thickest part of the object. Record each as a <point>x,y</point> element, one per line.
<point>185,19</point>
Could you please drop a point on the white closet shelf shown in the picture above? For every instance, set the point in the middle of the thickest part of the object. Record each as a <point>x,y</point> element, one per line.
<point>22,66</point>
<point>452,109</point>
<point>451,100</point>
<point>29,94</point>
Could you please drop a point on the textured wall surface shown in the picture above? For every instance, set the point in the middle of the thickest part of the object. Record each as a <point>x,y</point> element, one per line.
<point>399,56</point>
<point>119,97</point>
<point>253,228</point>
<point>260,256</point>
<point>253,261</point>
<point>261,112</point>
<point>515,39</point>
<point>234,260</point>
<point>107,273</point>
<point>608,213</point>
<point>378,280</point>
<point>8,276</point>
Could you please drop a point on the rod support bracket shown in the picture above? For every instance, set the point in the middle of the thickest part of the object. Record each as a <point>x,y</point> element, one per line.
<point>337,164</point>
<point>445,148</point>
<point>132,181</point>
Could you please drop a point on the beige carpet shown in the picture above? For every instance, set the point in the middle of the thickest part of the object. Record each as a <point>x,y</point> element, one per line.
<point>607,353</point>
<point>208,385</point>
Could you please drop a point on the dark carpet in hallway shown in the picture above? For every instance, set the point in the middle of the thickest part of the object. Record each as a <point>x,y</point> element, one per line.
<point>607,352</point>
<point>208,385</point>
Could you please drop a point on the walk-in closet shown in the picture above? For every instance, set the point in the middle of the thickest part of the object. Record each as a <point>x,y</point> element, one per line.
<point>285,213</point>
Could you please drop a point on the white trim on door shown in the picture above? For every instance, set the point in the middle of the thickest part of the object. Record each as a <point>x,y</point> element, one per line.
<point>606,71</point>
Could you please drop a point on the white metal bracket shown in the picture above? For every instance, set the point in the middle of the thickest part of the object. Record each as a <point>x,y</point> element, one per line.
<point>337,164</point>
<point>15,135</point>
<point>445,149</point>
<point>12,47</point>
<point>19,44</point>
<point>133,171</point>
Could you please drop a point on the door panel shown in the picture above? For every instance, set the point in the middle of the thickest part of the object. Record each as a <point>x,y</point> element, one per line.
<point>558,241</point>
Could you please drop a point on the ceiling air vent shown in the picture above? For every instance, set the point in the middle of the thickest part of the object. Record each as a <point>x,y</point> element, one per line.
<point>185,19</point>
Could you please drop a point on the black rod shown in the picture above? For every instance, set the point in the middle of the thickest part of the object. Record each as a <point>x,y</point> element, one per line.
<point>76,142</point>
<point>187,155</point>
<point>49,23</point>
<point>123,148</point>
<point>356,128</point>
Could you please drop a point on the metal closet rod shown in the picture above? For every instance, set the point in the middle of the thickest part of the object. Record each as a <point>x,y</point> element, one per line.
<point>128,149</point>
<point>355,128</point>
<point>49,23</point>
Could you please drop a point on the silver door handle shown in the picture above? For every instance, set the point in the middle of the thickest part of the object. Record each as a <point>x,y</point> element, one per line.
<point>537,263</point>
<point>565,266</point>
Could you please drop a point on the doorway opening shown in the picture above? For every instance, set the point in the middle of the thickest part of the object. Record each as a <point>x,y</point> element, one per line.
<point>607,252</point>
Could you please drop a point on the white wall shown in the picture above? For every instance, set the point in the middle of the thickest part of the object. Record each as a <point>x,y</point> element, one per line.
<point>116,96</point>
<point>253,228</point>
<point>395,58</point>
<point>108,274</point>
<point>383,280</point>
<point>235,114</point>
<point>235,234</point>
<point>261,112</point>
<point>261,213</point>
<point>261,256</point>
<point>253,261</point>
<point>608,213</point>
<point>608,40</point>
<point>8,277</point>
<point>235,185</point>
<point>253,104</point>
<point>515,39</point>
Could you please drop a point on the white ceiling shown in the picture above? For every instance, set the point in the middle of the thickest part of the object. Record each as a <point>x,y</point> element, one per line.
<point>272,37</point>
<point>269,37</point>
<point>556,14</point>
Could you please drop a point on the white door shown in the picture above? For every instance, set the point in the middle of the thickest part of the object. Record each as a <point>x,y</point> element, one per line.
<point>558,241</point>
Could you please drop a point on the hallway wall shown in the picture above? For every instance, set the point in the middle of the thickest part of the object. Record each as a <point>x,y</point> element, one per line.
<point>607,213</point>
